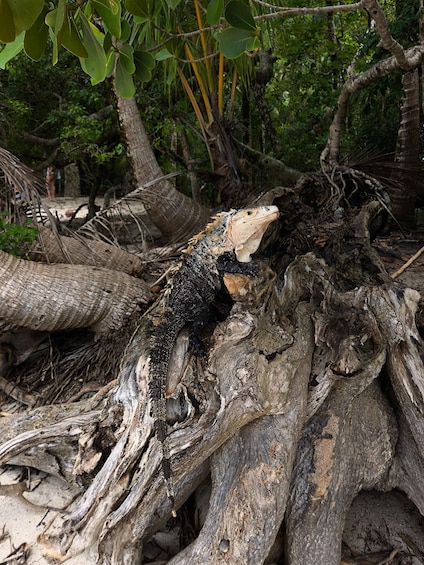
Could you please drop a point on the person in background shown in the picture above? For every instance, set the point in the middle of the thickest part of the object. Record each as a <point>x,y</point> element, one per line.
<point>50,182</point>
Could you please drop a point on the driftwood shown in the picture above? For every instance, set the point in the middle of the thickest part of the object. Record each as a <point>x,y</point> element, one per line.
<point>313,393</point>
<point>52,248</point>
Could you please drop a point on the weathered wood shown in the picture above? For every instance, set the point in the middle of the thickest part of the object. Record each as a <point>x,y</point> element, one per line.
<point>347,446</point>
<point>313,392</point>
<point>67,296</point>
<point>255,465</point>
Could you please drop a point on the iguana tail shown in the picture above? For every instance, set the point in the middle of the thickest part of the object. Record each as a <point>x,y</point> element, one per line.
<point>165,338</point>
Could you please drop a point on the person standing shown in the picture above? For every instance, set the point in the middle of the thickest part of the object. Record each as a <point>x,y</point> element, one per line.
<point>50,182</point>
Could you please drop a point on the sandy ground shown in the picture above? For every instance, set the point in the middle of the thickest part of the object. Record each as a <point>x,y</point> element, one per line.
<point>27,506</point>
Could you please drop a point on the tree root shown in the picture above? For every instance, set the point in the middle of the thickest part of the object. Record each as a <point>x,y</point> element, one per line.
<point>313,393</point>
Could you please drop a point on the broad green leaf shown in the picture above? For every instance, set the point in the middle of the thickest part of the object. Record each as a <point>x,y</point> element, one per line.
<point>123,80</point>
<point>110,12</point>
<point>142,8</point>
<point>234,42</point>
<point>7,25</point>
<point>126,56</point>
<point>126,31</point>
<point>239,16</point>
<point>60,16</point>
<point>55,19</point>
<point>11,50</point>
<point>253,44</point>
<point>98,34</point>
<point>36,37</point>
<point>140,19</point>
<point>114,6</point>
<point>70,38</point>
<point>51,18</point>
<point>95,62</point>
<point>214,12</point>
<point>107,42</point>
<point>163,54</point>
<point>144,63</point>
<point>24,12</point>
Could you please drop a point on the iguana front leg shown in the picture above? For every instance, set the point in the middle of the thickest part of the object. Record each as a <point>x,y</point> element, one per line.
<point>227,263</point>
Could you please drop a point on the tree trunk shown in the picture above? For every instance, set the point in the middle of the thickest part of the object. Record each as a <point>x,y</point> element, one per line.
<point>52,248</point>
<point>176,215</point>
<point>62,297</point>
<point>313,392</point>
<point>408,152</point>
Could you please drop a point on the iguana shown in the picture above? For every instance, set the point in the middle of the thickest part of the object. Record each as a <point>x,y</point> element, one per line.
<point>224,246</point>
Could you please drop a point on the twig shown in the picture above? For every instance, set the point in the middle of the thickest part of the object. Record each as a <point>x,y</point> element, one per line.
<point>408,263</point>
<point>20,553</point>
<point>389,558</point>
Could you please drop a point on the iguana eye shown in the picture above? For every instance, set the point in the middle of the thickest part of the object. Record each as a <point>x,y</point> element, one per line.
<point>249,212</point>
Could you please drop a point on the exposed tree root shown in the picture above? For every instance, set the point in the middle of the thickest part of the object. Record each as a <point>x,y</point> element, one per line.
<point>313,393</point>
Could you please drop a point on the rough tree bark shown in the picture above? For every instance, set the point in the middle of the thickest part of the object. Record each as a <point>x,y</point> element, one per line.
<point>55,248</point>
<point>60,297</point>
<point>408,151</point>
<point>313,392</point>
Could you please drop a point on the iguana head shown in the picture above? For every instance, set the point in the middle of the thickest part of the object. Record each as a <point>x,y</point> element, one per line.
<point>245,229</point>
<point>237,230</point>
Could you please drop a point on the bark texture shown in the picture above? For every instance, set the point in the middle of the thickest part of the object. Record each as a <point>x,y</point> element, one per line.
<point>52,248</point>
<point>61,297</point>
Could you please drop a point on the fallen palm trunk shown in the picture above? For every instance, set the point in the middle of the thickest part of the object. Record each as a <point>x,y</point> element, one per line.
<point>53,248</point>
<point>59,297</point>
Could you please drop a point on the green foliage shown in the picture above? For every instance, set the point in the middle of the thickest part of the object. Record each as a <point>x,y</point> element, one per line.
<point>127,26</point>
<point>110,12</point>
<point>214,12</point>
<point>149,43</point>
<point>59,105</point>
<point>10,51</point>
<point>308,75</point>
<point>95,63</point>
<point>378,104</point>
<point>238,15</point>
<point>36,37</point>
<point>17,16</point>
<point>15,239</point>
<point>234,42</point>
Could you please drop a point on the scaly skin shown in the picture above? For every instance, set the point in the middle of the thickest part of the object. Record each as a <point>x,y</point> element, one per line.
<point>225,245</point>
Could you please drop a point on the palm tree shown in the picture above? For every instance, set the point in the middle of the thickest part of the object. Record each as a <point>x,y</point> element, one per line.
<point>176,215</point>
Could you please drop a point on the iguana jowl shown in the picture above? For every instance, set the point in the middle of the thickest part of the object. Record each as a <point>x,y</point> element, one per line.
<point>224,246</point>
